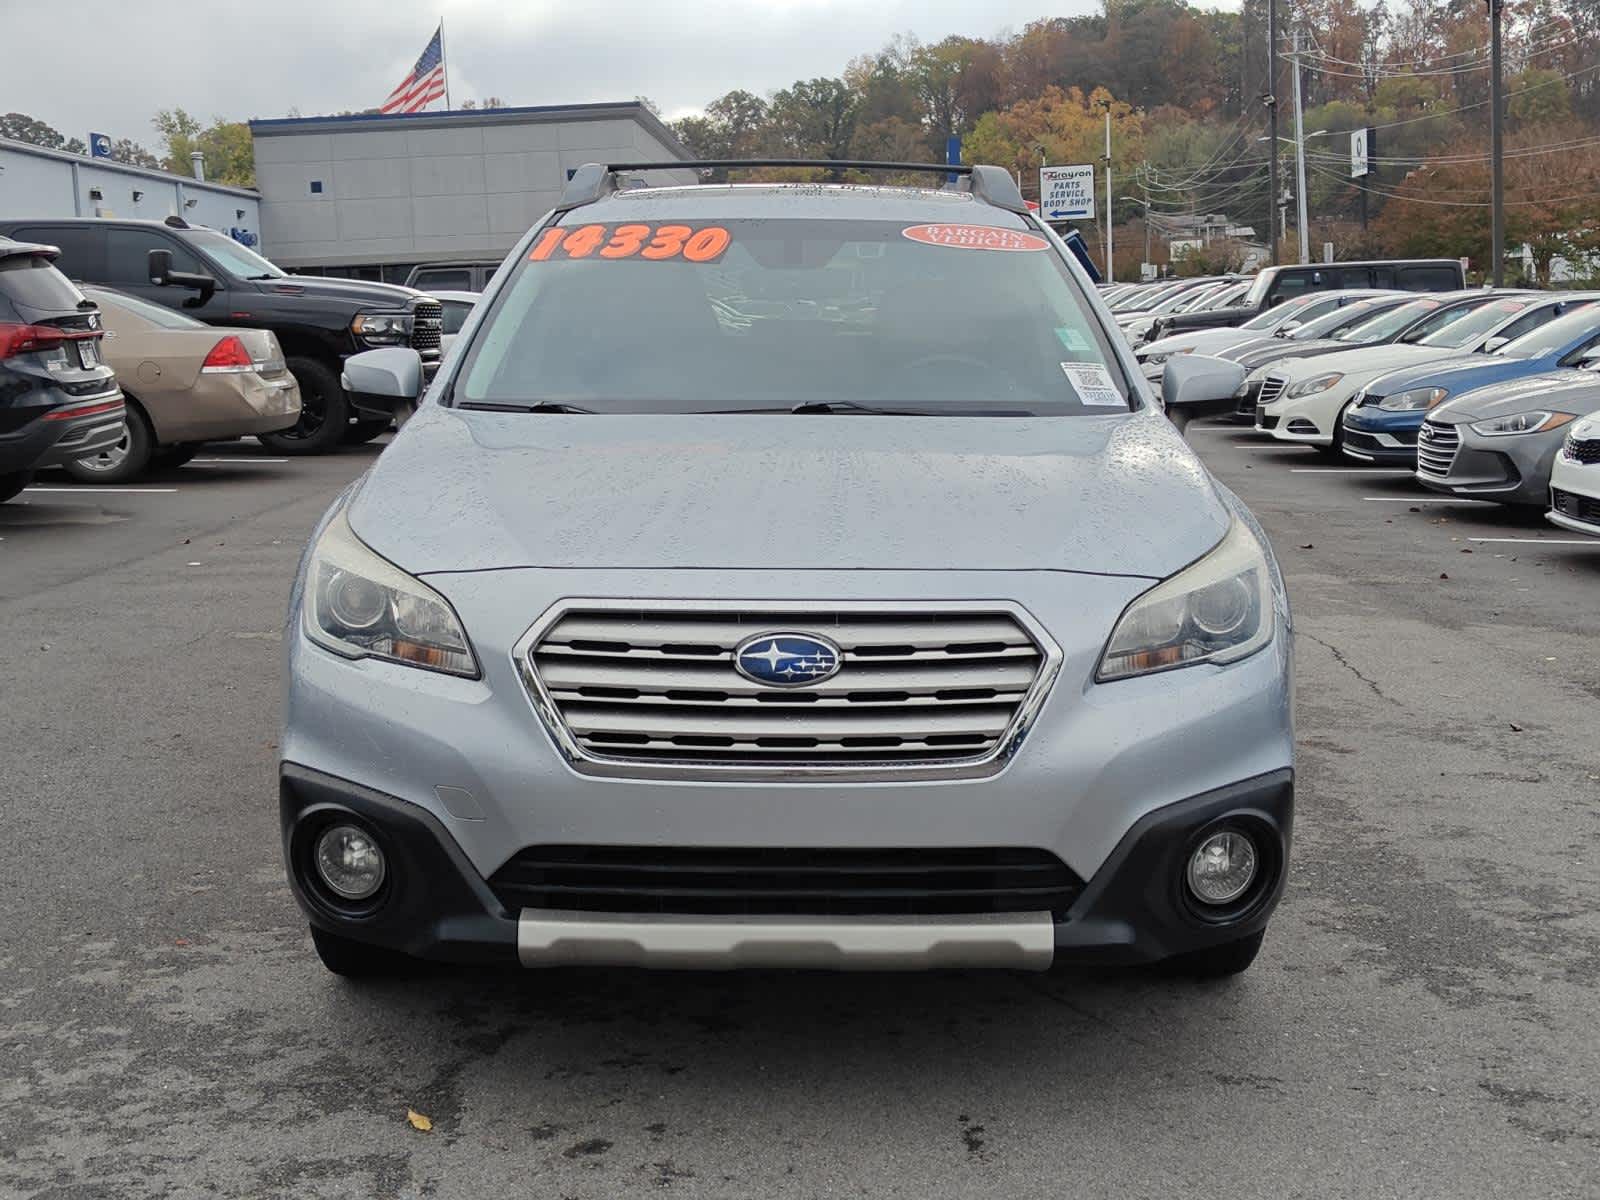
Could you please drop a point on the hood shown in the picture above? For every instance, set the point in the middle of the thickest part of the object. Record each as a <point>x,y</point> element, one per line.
<point>1457,375</point>
<point>357,291</point>
<point>1563,390</point>
<point>473,491</point>
<point>1205,341</point>
<point>1364,360</point>
<point>1271,349</point>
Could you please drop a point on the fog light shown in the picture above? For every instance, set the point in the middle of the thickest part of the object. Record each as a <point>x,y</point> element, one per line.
<point>349,862</point>
<point>1222,867</point>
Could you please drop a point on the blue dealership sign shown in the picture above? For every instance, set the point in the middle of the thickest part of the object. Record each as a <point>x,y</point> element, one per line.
<point>99,145</point>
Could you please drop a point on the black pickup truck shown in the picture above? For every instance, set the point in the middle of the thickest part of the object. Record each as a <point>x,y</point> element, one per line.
<point>318,322</point>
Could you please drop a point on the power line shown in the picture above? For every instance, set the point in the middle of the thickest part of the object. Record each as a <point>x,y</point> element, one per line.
<point>1448,203</point>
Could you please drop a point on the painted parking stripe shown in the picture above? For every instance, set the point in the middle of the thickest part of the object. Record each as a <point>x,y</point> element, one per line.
<point>1420,500</point>
<point>238,458</point>
<point>1350,470</point>
<point>1593,542</point>
<point>127,491</point>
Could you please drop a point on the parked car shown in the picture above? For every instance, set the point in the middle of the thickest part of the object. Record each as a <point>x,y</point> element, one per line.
<point>1198,300</point>
<point>1274,285</point>
<point>57,398</point>
<point>1500,443</point>
<point>209,276</point>
<point>1382,424</point>
<point>452,277</point>
<point>457,307</point>
<point>1304,399</point>
<point>557,692</point>
<point>185,383</point>
<point>1259,330</point>
<point>1575,480</point>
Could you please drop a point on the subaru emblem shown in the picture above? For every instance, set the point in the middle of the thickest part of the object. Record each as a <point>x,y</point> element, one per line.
<point>787,659</point>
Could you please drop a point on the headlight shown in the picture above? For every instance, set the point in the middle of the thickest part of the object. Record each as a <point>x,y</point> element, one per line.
<point>1310,387</point>
<point>362,606</point>
<point>1218,610</point>
<point>1523,422</point>
<point>382,328</point>
<point>1414,399</point>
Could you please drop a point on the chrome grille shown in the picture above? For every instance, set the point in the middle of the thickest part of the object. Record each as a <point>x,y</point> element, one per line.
<point>1436,449</point>
<point>1271,388</point>
<point>427,325</point>
<point>1583,450</point>
<point>626,688</point>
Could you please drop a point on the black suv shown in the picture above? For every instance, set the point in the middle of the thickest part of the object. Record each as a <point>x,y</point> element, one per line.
<point>58,400</point>
<point>206,274</point>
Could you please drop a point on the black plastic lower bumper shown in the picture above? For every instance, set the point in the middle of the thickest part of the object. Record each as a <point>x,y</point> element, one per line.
<point>435,905</point>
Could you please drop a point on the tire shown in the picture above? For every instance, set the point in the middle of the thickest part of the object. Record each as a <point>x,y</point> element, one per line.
<point>1336,450</point>
<point>1218,962</point>
<point>169,457</point>
<point>127,460</point>
<point>13,482</point>
<point>360,432</point>
<point>358,960</point>
<point>324,411</point>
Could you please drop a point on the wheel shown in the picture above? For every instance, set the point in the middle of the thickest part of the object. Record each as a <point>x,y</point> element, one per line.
<point>1218,962</point>
<point>324,411</point>
<point>174,456</point>
<point>1336,450</point>
<point>13,482</point>
<point>358,960</point>
<point>358,432</point>
<point>128,459</point>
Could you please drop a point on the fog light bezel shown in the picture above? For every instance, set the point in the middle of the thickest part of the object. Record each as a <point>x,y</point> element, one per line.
<point>1269,866</point>
<point>308,836</point>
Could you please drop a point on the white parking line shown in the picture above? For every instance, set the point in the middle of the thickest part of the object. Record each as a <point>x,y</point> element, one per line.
<point>240,458</point>
<point>1595,542</point>
<point>128,491</point>
<point>1419,500</point>
<point>1350,470</point>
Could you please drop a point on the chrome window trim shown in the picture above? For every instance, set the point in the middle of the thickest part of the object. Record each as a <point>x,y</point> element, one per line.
<point>991,762</point>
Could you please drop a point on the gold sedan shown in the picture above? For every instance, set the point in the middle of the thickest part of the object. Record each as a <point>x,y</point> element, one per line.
<point>185,383</point>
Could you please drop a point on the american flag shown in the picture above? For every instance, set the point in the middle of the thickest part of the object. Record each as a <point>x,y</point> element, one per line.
<point>425,84</point>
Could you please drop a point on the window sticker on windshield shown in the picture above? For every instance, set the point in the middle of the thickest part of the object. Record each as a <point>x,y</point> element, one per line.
<point>1093,384</point>
<point>654,243</point>
<point>1073,340</point>
<point>975,237</point>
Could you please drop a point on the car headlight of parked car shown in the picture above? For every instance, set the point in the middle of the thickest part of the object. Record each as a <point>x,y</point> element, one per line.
<point>382,329</point>
<point>1217,610</point>
<point>362,606</point>
<point>1413,399</point>
<point>1523,422</point>
<point>1310,387</point>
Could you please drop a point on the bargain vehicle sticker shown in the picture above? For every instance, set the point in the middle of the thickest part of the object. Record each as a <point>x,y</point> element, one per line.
<point>1092,382</point>
<point>652,243</point>
<point>975,237</point>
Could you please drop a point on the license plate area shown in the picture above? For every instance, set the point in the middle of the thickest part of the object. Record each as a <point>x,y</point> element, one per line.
<point>89,352</point>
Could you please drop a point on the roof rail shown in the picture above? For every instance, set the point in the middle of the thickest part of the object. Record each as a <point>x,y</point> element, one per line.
<point>992,185</point>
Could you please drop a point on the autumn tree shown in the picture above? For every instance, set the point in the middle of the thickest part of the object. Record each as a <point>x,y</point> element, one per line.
<point>227,147</point>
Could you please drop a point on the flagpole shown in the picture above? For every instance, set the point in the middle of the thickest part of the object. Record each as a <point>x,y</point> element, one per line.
<point>444,62</point>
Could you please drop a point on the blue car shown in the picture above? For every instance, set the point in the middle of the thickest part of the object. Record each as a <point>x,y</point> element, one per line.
<point>1550,333</point>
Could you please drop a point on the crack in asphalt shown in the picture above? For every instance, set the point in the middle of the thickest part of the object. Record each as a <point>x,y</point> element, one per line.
<point>1338,657</point>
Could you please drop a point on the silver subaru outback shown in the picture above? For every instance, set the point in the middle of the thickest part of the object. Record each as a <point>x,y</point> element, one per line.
<point>788,576</point>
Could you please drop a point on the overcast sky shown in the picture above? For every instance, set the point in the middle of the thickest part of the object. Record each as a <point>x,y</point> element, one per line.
<point>108,65</point>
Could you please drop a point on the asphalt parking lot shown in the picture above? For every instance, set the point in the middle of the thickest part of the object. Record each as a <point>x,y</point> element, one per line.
<point>1420,1023</point>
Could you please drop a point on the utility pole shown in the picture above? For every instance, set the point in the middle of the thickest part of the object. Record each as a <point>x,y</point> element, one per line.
<point>1271,101</point>
<point>1300,160</point>
<point>1497,104</point>
<point>1111,262</point>
<point>1146,182</point>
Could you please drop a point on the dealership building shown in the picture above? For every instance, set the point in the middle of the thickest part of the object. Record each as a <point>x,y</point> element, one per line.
<point>371,196</point>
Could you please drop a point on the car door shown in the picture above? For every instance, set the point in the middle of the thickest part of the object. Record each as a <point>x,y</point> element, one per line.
<point>127,268</point>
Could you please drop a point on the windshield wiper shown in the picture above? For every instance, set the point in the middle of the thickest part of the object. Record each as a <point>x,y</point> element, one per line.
<point>837,406</point>
<point>544,406</point>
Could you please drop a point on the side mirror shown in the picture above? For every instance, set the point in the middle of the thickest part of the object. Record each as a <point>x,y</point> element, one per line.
<point>162,275</point>
<point>1289,327</point>
<point>1493,344</point>
<point>1590,357</point>
<point>1197,385</point>
<point>387,379</point>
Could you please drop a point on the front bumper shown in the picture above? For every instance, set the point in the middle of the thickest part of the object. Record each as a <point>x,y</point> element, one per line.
<point>1575,496</point>
<point>1513,469</point>
<point>1374,435</point>
<point>435,905</point>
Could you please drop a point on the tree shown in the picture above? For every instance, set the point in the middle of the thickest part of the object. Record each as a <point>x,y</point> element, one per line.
<point>814,118</point>
<point>20,127</point>
<point>1067,126</point>
<point>226,145</point>
<point>129,151</point>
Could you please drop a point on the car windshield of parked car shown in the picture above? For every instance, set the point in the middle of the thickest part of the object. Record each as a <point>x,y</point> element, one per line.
<point>1476,323</point>
<point>1387,324</point>
<point>773,315</point>
<point>1561,332</point>
<point>156,314</point>
<point>1294,310</point>
<point>1338,323</point>
<point>237,259</point>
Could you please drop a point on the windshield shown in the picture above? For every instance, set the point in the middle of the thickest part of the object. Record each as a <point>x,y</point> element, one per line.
<point>1557,335</point>
<point>767,315</point>
<point>1388,324</point>
<point>1333,324</point>
<point>1294,310</point>
<point>1476,324</point>
<point>1150,297</point>
<point>234,258</point>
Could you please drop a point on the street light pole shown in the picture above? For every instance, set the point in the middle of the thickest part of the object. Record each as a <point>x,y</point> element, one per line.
<point>1497,105</point>
<point>1300,160</point>
<point>1111,262</point>
<point>1271,101</point>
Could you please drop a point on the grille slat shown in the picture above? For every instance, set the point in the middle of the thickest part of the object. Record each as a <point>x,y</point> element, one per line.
<point>1271,388</point>
<point>1571,504</point>
<point>659,685</point>
<point>1436,449</point>
<point>1583,450</point>
<point>427,325</point>
<point>797,881</point>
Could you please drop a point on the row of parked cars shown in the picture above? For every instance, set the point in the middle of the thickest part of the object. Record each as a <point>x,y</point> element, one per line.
<point>125,345</point>
<point>1490,394</point>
